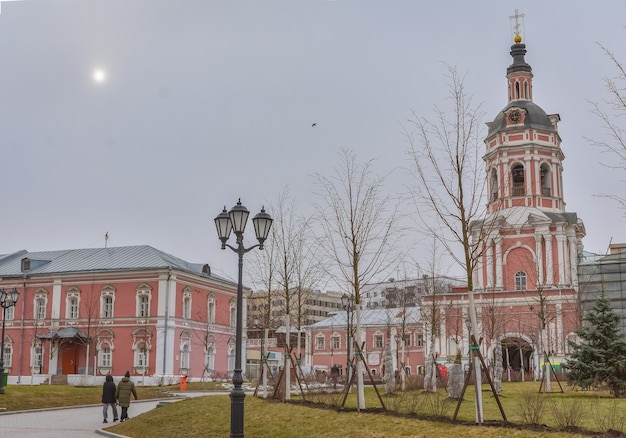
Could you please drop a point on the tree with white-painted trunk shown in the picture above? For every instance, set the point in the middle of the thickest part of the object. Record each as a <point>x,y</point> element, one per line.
<point>359,229</point>
<point>445,157</point>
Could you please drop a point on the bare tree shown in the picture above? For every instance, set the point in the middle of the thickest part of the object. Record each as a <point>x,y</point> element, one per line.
<point>295,270</point>
<point>611,112</point>
<point>359,229</point>
<point>446,162</point>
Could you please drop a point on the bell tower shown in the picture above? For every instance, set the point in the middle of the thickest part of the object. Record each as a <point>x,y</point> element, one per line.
<point>529,239</point>
<point>524,157</point>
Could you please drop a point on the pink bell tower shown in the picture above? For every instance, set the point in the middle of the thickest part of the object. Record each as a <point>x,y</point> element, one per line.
<point>530,240</point>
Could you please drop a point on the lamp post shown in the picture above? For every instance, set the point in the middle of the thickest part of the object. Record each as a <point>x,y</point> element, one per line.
<point>8,298</point>
<point>348,304</point>
<point>225,222</point>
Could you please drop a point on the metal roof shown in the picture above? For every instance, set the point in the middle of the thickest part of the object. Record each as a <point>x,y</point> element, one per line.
<point>96,260</point>
<point>373,317</point>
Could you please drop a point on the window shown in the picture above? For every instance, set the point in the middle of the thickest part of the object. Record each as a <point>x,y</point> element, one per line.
<point>143,302</point>
<point>107,307</point>
<point>211,309</point>
<point>104,357</point>
<point>231,358</point>
<point>187,304</point>
<point>520,280</point>
<point>335,342</point>
<point>107,298</point>
<point>40,309</point>
<point>37,358</point>
<point>10,313</point>
<point>144,296</point>
<point>233,314</point>
<point>545,180</point>
<point>8,355</point>
<point>494,184</point>
<point>142,344</point>
<point>378,341</point>
<point>72,298</point>
<point>320,342</point>
<point>209,362</point>
<point>41,301</point>
<point>72,308</point>
<point>184,357</point>
<point>141,357</point>
<point>518,180</point>
<point>407,340</point>
<point>420,340</point>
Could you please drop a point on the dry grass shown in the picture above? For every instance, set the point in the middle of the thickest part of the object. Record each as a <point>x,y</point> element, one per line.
<point>209,417</point>
<point>22,397</point>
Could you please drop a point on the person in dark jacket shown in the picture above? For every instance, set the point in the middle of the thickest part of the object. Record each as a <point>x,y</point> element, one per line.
<point>125,388</point>
<point>108,398</point>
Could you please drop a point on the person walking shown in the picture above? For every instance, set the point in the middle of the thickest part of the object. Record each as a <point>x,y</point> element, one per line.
<point>109,398</point>
<point>125,388</point>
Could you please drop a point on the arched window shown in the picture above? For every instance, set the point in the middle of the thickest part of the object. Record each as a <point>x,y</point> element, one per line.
<point>494,184</point>
<point>107,297</point>
<point>184,358</point>
<point>211,309</point>
<point>520,280</point>
<point>36,357</point>
<point>545,180</point>
<point>233,313</point>
<point>209,362</point>
<point>517,172</point>
<point>231,357</point>
<point>143,298</point>
<point>187,303</point>
<point>517,90</point>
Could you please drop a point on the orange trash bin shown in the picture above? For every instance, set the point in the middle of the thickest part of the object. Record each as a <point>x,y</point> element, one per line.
<point>183,382</point>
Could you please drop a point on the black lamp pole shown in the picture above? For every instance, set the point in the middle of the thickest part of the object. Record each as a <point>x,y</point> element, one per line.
<point>8,298</point>
<point>235,220</point>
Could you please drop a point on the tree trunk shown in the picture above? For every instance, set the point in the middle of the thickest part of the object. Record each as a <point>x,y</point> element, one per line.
<point>359,363</point>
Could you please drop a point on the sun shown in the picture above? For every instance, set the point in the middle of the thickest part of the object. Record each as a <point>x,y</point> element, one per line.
<point>99,75</point>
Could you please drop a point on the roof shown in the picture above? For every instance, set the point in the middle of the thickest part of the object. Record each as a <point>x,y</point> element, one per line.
<point>64,333</point>
<point>535,117</point>
<point>97,260</point>
<point>373,317</point>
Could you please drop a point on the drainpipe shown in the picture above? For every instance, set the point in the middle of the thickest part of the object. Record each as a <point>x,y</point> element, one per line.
<point>165,320</point>
<point>19,371</point>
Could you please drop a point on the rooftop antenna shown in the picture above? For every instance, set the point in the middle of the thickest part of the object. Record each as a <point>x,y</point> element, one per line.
<point>106,238</point>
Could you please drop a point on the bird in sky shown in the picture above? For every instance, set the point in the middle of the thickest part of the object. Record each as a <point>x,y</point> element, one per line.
<point>314,124</point>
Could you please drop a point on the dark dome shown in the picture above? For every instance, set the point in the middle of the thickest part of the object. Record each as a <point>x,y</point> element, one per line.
<point>536,117</point>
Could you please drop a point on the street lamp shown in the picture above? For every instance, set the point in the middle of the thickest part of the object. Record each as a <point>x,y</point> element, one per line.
<point>348,304</point>
<point>8,298</point>
<point>225,222</point>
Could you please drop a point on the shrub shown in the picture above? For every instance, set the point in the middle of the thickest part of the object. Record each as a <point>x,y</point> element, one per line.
<point>567,415</point>
<point>608,418</point>
<point>531,407</point>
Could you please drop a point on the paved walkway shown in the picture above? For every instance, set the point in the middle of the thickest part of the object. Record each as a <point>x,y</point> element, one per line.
<point>71,422</point>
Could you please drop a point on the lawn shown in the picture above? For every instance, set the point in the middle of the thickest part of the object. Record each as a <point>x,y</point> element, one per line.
<point>22,397</point>
<point>406,416</point>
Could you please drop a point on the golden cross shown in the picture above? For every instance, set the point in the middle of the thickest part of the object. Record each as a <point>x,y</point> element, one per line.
<point>517,16</point>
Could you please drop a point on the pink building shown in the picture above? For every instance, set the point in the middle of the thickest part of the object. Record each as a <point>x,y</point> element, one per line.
<point>525,278</point>
<point>91,312</point>
<point>327,341</point>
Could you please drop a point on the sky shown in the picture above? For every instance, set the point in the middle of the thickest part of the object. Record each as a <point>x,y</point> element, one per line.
<point>144,118</point>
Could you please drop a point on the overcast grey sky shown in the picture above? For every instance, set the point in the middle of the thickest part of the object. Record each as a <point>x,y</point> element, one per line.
<point>205,101</point>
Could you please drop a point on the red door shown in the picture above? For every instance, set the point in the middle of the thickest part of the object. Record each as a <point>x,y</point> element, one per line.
<point>68,360</point>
